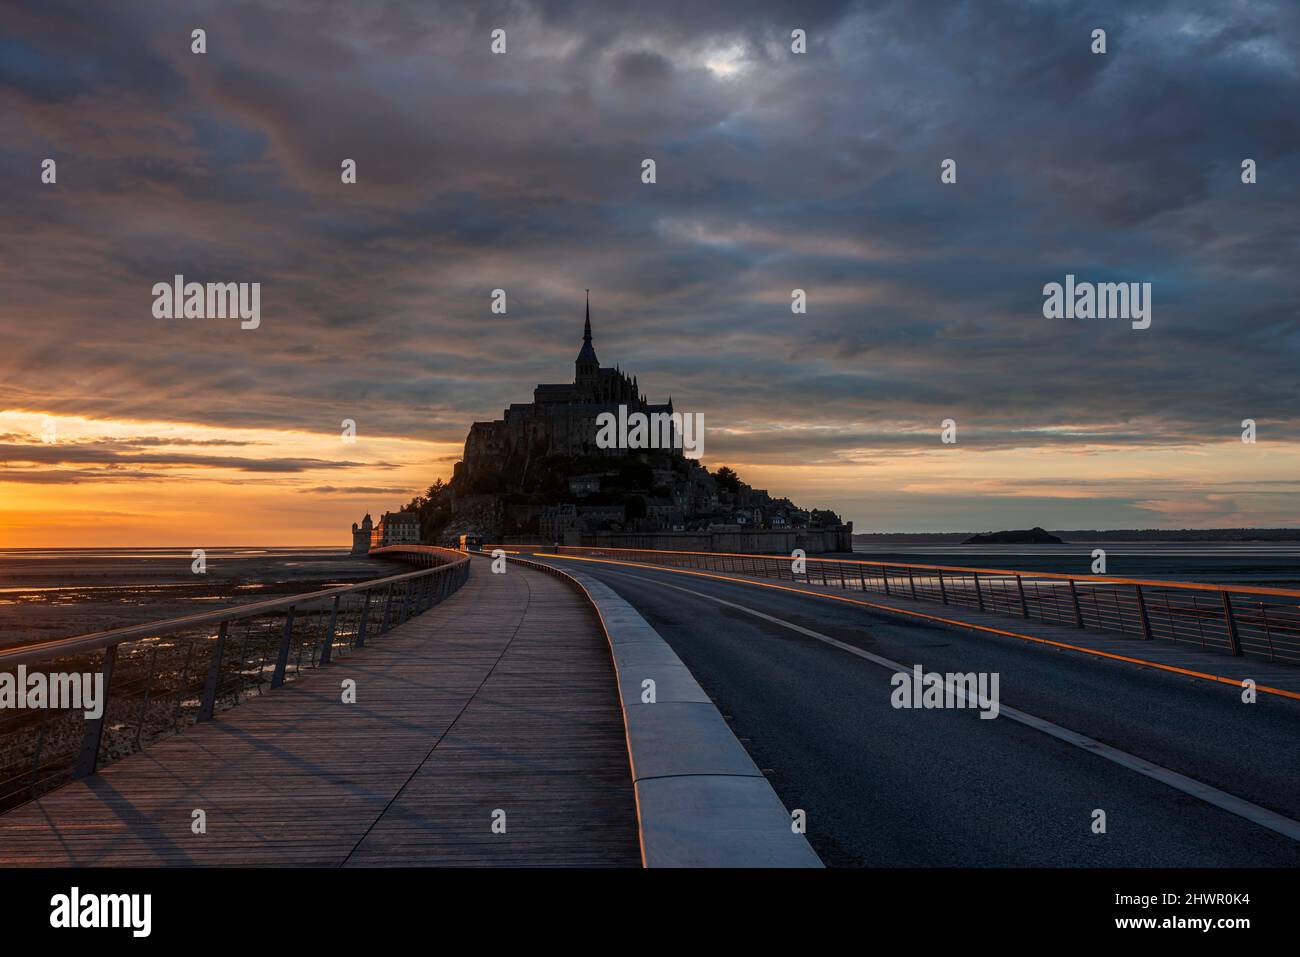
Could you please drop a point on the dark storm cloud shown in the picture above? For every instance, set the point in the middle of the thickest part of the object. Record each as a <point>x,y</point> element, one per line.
<point>774,172</point>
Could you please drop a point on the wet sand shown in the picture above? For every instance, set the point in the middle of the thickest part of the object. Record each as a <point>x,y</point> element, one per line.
<point>46,595</point>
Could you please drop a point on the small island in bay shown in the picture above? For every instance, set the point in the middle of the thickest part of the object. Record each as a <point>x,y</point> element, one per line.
<point>1029,536</point>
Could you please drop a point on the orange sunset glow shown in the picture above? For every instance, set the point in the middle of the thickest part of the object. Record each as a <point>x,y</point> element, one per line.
<point>102,483</point>
<point>71,481</point>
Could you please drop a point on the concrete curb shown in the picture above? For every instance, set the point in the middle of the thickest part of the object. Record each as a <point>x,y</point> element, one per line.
<point>701,800</point>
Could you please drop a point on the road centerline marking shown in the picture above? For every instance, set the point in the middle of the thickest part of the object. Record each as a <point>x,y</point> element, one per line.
<point>1180,782</point>
<point>957,623</point>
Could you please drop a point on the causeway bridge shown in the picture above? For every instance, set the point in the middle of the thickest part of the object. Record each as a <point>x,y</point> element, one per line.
<point>563,706</point>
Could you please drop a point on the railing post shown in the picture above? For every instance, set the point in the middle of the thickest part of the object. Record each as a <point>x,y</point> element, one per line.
<point>1268,634</point>
<point>911,581</point>
<point>180,685</point>
<point>862,577</point>
<point>40,749</point>
<point>209,702</point>
<point>1024,605</point>
<point>388,604</point>
<point>979,595</point>
<point>282,661</point>
<point>884,577</point>
<point>843,583</point>
<point>88,759</point>
<point>327,651</point>
<point>1142,612</point>
<point>943,592</point>
<point>1234,640</point>
<point>1078,612</point>
<point>365,615</point>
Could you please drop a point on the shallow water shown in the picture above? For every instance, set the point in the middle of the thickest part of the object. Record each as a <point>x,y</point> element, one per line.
<point>1275,565</point>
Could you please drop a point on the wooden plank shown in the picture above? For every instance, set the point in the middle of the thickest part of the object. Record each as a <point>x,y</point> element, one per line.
<point>503,696</point>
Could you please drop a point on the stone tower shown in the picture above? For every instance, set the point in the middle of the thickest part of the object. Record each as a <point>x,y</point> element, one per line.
<point>361,536</point>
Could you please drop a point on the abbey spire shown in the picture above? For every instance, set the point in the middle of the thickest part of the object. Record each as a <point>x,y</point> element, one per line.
<point>587,366</point>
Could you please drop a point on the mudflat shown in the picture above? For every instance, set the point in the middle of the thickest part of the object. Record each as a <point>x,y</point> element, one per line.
<point>57,594</point>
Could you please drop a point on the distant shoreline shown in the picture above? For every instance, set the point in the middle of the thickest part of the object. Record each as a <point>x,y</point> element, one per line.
<point>174,549</point>
<point>1127,535</point>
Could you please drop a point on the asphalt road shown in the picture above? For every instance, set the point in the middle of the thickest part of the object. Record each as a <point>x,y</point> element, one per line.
<point>942,787</point>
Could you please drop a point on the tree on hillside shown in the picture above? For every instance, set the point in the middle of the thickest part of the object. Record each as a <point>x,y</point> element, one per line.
<point>434,510</point>
<point>727,479</point>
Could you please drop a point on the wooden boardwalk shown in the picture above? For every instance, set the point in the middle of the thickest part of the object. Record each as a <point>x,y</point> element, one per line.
<point>500,699</point>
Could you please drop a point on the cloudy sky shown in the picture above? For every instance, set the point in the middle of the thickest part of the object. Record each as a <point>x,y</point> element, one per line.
<point>522,171</point>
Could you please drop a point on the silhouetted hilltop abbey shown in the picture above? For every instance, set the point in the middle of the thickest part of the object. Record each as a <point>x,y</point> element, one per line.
<point>538,473</point>
<point>561,419</point>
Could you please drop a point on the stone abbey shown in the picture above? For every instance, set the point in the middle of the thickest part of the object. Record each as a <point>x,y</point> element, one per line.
<point>561,419</point>
<point>543,472</point>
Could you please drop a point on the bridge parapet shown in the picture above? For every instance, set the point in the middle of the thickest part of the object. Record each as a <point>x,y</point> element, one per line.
<point>1242,621</point>
<point>158,678</point>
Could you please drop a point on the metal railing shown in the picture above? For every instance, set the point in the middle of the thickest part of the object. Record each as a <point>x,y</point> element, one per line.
<point>158,678</point>
<point>1259,622</point>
